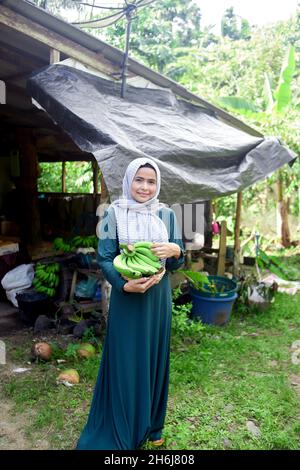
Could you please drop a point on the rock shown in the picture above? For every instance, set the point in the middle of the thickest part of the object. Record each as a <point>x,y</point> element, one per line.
<point>226,443</point>
<point>65,326</point>
<point>80,328</point>
<point>43,323</point>
<point>253,429</point>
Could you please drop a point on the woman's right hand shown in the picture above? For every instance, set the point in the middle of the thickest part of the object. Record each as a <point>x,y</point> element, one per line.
<point>140,285</point>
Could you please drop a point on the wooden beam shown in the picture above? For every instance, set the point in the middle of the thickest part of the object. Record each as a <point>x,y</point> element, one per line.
<point>56,41</point>
<point>222,250</point>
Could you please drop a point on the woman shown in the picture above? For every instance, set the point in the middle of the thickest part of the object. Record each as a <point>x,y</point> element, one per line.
<point>130,397</point>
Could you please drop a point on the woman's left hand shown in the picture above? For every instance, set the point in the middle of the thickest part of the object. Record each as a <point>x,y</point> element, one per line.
<point>166,250</point>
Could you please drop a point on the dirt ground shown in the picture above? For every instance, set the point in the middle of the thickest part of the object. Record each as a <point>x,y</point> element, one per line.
<point>12,436</point>
<point>12,425</point>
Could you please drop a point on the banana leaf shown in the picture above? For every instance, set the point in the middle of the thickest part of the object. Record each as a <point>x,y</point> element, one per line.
<point>283,93</point>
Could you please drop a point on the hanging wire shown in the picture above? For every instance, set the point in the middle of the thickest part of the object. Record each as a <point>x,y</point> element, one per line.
<point>122,15</point>
<point>100,6</point>
<point>129,11</point>
<point>100,19</point>
<point>124,11</point>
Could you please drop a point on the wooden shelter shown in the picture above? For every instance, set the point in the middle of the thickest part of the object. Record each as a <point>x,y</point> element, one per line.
<point>30,39</point>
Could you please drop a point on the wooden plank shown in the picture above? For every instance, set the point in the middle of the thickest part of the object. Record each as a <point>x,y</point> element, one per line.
<point>56,41</point>
<point>222,250</point>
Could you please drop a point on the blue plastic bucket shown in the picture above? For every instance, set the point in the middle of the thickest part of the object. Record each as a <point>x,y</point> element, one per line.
<point>224,287</point>
<point>212,310</point>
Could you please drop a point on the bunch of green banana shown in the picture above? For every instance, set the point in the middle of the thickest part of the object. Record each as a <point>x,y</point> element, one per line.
<point>60,244</point>
<point>46,278</point>
<point>138,262</point>
<point>90,241</point>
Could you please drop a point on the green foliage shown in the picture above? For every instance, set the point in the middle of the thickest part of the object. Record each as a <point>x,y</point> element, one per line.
<point>79,177</point>
<point>198,280</point>
<point>55,6</point>
<point>231,28</point>
<point>182,325</point>
<point>158,30</point>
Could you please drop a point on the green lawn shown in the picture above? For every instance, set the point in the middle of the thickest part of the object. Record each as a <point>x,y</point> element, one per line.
<point>230,386</point>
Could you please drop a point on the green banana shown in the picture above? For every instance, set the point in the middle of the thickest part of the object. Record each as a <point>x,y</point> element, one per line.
<point>143,244</point>
<point>138,265</point>
<point>149,262</point>
<point>120,265</point>
<point>147,252</point>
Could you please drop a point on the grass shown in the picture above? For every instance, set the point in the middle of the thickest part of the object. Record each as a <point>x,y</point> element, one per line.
<point>237,374</point>
<point>221,379</point>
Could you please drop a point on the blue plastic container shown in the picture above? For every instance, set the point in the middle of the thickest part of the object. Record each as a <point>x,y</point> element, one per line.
<point>212,310</point>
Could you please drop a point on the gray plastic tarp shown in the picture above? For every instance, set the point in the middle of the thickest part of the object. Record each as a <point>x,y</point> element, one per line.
<point>200,156</point>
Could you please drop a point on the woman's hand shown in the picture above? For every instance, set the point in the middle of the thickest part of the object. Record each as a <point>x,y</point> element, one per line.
<point>140,285</point>
<point>166,250</point>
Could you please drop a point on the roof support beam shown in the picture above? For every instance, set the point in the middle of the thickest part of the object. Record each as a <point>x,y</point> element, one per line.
<point>56,41</point>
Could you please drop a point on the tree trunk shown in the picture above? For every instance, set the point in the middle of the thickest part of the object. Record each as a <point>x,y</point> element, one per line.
<point>283,231</point>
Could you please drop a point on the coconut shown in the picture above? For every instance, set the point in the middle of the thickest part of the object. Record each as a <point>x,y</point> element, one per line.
<point>69,376</point>
<point>86,350</point>
<point>41,351</point>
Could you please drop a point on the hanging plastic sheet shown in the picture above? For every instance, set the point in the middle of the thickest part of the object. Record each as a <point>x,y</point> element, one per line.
<point>200,155</point>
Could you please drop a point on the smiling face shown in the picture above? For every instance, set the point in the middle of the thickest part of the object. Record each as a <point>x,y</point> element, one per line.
<point>144,185</point>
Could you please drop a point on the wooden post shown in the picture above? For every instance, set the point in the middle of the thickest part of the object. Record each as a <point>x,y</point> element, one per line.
<point>27,188</point>
<point>63,177</point>
<point>104,191</point>
<point>95,177</point>
<point>105,286</point>
<point>95,183</point>
<point>222,249</point>
<point>54,56</point>
<point>237,244</point>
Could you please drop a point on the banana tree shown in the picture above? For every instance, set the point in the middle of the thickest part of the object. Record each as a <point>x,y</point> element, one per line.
<point>278,103</point>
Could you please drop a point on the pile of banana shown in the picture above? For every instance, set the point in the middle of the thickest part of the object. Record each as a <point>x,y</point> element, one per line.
<point>138,262</point>
<point>60,244</point>
<point>90,241</point>
<point>46,278</point>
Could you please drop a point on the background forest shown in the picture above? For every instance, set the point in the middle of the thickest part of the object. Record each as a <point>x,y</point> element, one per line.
<point>253,72</point>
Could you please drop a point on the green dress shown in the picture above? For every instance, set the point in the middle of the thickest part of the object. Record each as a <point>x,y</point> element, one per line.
<point>130,397</point>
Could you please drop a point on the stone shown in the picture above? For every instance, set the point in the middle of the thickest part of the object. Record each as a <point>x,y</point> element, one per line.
<point>43,323</point>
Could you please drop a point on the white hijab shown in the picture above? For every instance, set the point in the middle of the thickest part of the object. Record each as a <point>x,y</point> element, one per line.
<point>137,221</point>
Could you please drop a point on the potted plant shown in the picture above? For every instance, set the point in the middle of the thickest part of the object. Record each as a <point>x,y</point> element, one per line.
<point>212,296</point>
